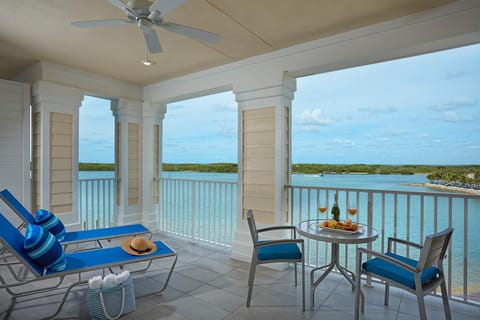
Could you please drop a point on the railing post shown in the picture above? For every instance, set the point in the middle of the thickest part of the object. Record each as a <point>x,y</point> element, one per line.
<point>370,223</point>
<point>193,210</point>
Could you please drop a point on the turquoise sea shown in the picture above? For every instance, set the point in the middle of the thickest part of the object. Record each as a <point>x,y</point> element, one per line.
<point>379,182</point>
<point>386,183</point>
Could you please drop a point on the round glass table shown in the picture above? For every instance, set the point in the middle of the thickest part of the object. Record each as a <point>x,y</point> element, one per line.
<point>312,229</point>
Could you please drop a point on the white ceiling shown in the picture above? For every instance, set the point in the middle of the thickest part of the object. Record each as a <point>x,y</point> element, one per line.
<point>35,30</point>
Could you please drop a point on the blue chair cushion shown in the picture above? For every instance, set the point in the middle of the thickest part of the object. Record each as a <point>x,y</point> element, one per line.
<point>50,223</point>
<point>44,249</point>
<point>282,251</point>
<point>393,272</point>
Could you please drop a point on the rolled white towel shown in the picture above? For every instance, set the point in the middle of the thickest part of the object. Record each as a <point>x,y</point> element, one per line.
<point>95,282</point>
<point>122,277</point>
<point>108,281</point>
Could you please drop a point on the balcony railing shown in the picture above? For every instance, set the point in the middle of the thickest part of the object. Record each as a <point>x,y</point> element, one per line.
<point>198,209</point>
<point>96,203</point>
<point>206,211</point>
<point>407,215</point>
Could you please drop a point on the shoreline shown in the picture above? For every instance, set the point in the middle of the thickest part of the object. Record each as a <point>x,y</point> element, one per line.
<point>445,188</point>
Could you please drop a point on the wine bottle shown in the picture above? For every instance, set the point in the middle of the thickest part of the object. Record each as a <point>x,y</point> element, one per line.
<point>336,209</point>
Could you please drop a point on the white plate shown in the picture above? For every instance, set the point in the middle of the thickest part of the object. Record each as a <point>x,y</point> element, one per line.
<point>319,227</point>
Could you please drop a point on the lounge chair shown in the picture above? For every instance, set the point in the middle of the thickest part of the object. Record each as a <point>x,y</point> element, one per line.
<point>24,271</point>
<point>73,237</point>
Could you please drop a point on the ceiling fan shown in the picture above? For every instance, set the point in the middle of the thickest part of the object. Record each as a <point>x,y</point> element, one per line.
<point>146,15</point>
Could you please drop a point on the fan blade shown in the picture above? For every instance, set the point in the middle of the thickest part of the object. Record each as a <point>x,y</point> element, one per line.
<point>190,32</point>
<point>119,4</point>
<point>99,23</point>
<point>164,6</point>
<point>151,38</point>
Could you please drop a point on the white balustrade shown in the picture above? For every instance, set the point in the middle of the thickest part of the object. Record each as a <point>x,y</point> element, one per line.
<point>205,211</point>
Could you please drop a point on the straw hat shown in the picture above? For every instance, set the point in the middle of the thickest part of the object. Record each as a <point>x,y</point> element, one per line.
<point>138,246</point>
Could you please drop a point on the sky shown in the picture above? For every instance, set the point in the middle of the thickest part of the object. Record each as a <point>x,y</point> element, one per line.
<point>419,110</point>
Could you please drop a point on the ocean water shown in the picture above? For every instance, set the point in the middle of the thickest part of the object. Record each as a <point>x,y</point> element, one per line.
<point>463,252</point>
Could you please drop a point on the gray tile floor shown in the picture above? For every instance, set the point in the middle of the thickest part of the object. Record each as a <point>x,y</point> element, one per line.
<point>207,284</point>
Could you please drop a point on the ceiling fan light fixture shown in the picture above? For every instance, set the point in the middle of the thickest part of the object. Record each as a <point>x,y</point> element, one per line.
<point>147,62</point>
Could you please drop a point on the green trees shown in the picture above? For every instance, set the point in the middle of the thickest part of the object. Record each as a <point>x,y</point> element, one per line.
<point>86,166</point>
<point>462,176</point>
<point>466,175</point>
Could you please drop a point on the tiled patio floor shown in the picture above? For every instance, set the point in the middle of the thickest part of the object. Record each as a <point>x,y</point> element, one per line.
<point>208,285</point>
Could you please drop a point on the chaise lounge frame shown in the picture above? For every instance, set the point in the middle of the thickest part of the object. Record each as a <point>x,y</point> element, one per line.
<point>24,271</point>
<point>75,237</point>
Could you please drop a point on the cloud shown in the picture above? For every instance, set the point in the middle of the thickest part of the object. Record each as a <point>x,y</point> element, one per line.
<point>226,128</point>
<point>313,118</point>
<point>451,116</point>
<point>473,147</point>
<point>458,102</point>
<point>383,139</point>
<point>423,135</point>
<point>456,74</point>
<point>343,142</point>
<point>227,107</point>
<point>378,110</point>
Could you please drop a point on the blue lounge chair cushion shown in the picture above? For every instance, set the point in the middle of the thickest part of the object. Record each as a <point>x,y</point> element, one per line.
<point>391,271</point>
<point>92,259</point>
<point>104,233</point>
<point>44,249</point>
<point>281,251</point>
<point>50,223</point>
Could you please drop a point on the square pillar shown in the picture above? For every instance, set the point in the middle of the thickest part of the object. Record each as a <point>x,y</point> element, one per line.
<point>152,128</point>
<point>55,150</point>
<point>128,164</point>
<point>264,163</point>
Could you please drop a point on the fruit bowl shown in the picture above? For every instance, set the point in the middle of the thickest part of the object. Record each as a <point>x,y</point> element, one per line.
<point>346,225</point>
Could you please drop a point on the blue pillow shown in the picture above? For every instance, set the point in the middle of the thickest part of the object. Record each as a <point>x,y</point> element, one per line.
<point>42,247</point>
<point>50,223</point>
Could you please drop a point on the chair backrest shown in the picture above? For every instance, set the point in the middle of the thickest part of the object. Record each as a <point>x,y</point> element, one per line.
<point>434,248</point>
<point>13,240</point>
<point>16,206</point>
<point>252,226</point>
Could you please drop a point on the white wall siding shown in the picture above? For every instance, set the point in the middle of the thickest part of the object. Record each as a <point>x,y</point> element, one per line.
<point>258,162</point>
<point>14,138</point>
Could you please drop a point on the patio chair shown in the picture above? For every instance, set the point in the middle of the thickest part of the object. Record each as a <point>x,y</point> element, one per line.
<point>74,237</point>
<point>24,271</point>
<point>418,277</point>
<point>271,251</point>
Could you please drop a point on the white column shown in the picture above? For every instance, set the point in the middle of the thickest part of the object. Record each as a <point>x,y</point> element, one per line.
<point>55,149</point>
<point>264,163</point>
<point>152,122</point>
<point>128,115</point>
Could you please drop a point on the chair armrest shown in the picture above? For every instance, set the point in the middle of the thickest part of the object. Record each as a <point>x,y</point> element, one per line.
<point>387,258</point>
<point>402,241</point>
<point>291,228</point>
<point>280,241</point>
<point>276,228</point>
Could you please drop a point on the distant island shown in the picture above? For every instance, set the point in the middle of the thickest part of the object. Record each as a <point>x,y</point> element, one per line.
<point>440,176</point>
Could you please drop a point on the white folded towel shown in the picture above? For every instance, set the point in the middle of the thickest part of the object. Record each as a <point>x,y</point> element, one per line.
<point>95,282</point>
<point>122,277</point>
<point>108,281</point>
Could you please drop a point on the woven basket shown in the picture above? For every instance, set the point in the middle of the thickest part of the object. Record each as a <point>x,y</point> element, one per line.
<point>111,303</point>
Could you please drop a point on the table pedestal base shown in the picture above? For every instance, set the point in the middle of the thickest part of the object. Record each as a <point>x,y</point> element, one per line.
<point>334,262</point>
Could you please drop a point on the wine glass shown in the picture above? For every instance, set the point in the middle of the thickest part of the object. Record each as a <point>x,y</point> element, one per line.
<point>322,206</point>
<point>352,207</point>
